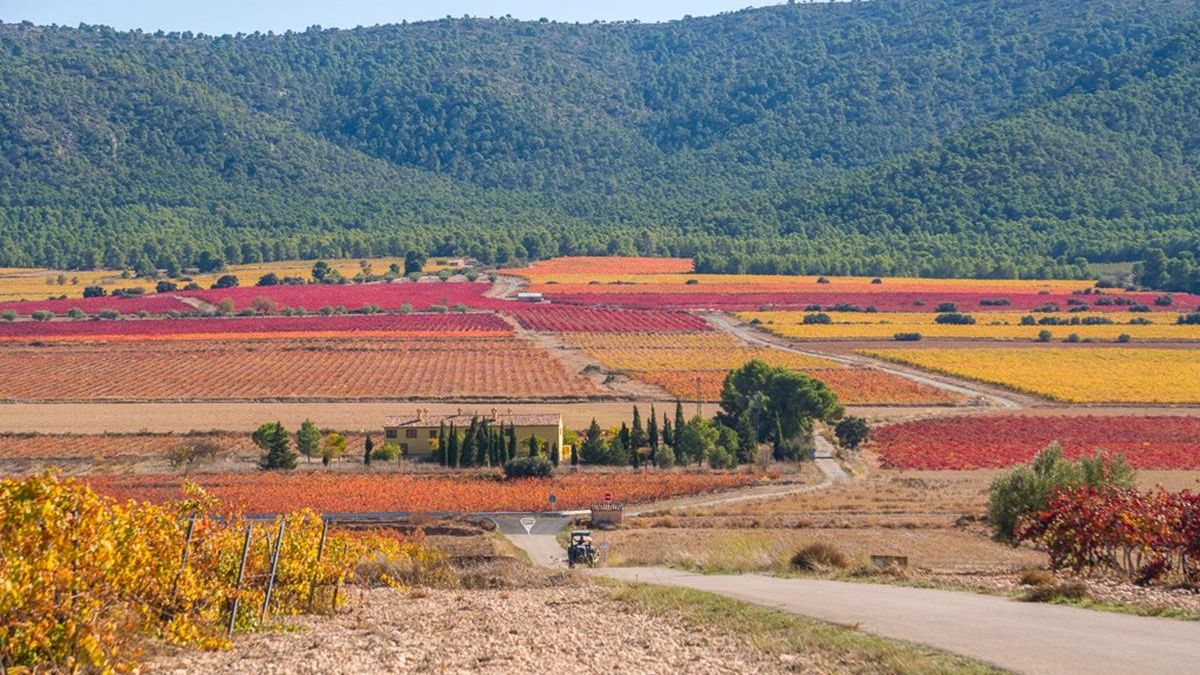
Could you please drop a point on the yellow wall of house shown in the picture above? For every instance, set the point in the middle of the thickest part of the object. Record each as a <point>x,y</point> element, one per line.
<point>424,440</point>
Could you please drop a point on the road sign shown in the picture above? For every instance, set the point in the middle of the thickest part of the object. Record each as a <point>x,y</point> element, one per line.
<point>553,498</point>
<point>607,497</point>
<point>528,523</point>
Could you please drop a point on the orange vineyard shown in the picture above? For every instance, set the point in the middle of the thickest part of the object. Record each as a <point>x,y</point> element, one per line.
<point>241,370</point>
<point>855,386</point>
<point>325,493</point>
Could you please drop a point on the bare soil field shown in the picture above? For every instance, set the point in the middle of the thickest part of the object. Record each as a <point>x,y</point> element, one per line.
<point>183,417</point>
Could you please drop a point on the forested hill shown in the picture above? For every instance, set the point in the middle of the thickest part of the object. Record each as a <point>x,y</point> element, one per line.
<point>982,137</point>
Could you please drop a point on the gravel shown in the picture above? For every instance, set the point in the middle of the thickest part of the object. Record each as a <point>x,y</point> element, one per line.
<point>565,629</point>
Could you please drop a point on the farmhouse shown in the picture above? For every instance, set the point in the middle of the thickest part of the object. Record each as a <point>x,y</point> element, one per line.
<point>417,434</point>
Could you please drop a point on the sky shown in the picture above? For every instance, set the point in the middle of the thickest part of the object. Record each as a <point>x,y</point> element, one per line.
<point>216,17</point>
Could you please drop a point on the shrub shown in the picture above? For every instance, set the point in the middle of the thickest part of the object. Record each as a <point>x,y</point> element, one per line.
<point>876,281</point>
<point>955,319</point>
<point>946,307</point>
<point>184,455</point>
<point>1073,337</point>
<point>1192,319</point>
<point>109,314</point>
<point>852,432</point>
<point>1068,590</point>
<point>907,337</point>
<point>819,556</point>
<point>822,280</point>
<point>8,315</point>
<point>817,319</point>
<point>386,452</point>
<point>1045,336</point>
<point>225,281</point>
<point>720,457</point>
<point>1164,301</point>
<point>664,457</point>
<point>42,315</point>
<point>94,292</point>
<point>1036,577</point>
<point>528,467</point>
<point>1028,320</point>
<point>268,279</point>
<point>1026,489</point>
<point>1124,337</point>
<point>76,313</point>
<point>192,286</point>
<point>165,287</point>
<point>998,302</point>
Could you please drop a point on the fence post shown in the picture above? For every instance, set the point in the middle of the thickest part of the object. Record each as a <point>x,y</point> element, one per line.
<point>274,565</point>
<point>187,545</point>
<point>312,588</point>
<point>237,589</point>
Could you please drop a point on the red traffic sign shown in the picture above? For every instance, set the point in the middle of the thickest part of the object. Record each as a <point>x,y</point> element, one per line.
<point>607,497</point>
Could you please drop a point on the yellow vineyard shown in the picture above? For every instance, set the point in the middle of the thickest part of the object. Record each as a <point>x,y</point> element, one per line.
<point>988,325</point>
<point>1071,375</point>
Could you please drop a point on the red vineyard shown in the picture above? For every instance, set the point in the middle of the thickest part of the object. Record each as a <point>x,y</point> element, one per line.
<point>480,324</point>
<point>386,296</point>
<point>154,304</point>
<point>1000,441</point>
<point>565,319</point>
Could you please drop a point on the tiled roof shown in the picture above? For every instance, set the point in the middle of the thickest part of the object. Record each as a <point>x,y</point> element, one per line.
<point>464,419</point>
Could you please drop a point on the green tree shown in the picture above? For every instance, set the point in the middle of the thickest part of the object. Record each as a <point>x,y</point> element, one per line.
<point>368,448</point>
<point>593,445</point>
<point>852,432</point>
<point>1026,489</point>
<point>679,424</point>
<point>308,439</point>
<point>276,447</point>
<point>697,440</point>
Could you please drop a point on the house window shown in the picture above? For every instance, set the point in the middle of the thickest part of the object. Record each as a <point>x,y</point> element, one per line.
<point>391,433</point>
<point>433,433</point>
<point>410,433</point>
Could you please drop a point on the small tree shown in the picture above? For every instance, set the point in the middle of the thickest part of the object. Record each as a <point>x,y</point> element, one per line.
<point>679,424</point>
<point>225,281</point>
<point>185,455</point>
<point>852,432</point>
<point>554,458</point>
<point>320,270</point>
<point>533,446</point>
<point>308,439</point>
<point>1026,489</point>
<point>276,447</point>
<point>697,440</point>
<point>332,447</point>
<point>386,452</point>
<point>665,457</point>
<point>368,447</point>
<point>263,305</point>
<point>593,444</point>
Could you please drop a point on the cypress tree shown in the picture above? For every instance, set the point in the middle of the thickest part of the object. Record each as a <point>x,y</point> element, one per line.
<point>452,447</point>
<point>638,437</point>
<point>624,435</point>
<point>533,446</point>
<point>483,447</point>
<point>441,441</point>
<point>668,436</point>
<point>652,435</point>
<point>679,422</point>
<point>368,446</point>
<point>574,456</point>
<point>512,441</point>
<point>466,453</point>
<point>554,454</point>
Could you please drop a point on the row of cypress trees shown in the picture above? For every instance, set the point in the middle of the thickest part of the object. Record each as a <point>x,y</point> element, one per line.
<point>485,444</point>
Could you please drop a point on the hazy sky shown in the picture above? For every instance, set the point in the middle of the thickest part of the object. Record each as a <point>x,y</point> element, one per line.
<point>230,16</point>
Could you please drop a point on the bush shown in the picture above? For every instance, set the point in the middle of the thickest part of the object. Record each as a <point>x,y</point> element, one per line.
<point>664,457</point>
<point>907,337</point>
<point>226,281</point>
<point>42,315</point>
<point>720,457</point>
<point>165,287</point>
<point>1073,337</point>
<point>528,467</point>
<point>852,432</point>
<point>1192,319</point>
<point>946,307</point>
<point>76,313</point>
<point>822,319</point>
<point>268,279</point>
<point>955,319</point>
<point>1045,336</point>
<point>386,452</point>
<point>819,557</point>
<point>1026,489</point>
<point>1036,577</point>
<point>1068,590</point>
<point>8,315</point>
<point>109,314</point>
<point>94,292</point>
<point>1124,337</point>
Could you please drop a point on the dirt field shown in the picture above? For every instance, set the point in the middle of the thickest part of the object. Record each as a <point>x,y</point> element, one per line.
<point>183,417</point>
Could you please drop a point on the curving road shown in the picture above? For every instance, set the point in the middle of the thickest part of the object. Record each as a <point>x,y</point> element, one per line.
<point>1018,636</point>
<point>753,336</point>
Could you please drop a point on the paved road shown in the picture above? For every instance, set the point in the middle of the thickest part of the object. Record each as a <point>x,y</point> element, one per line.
<point>539,541</point>
<point>825,457</point>
<point>1019,636</point>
